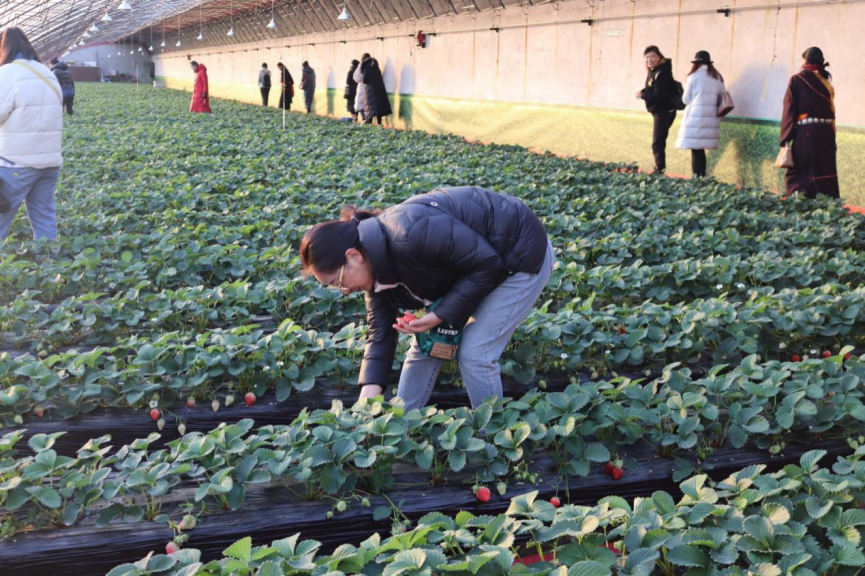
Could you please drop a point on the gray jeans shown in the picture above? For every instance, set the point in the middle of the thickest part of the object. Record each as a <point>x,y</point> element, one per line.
<point>483,340</point>
<point>35,187</point>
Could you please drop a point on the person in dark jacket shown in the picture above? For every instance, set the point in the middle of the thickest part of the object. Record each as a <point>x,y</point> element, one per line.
<point>67,85</point>
<point>351,90</point>
<point>286,94</point>
<point>377,102</point>
<point>484,257</point>
<point>808,125</point>
<point>307,84</point>
<point>264,83</point>
<point>659,94</point>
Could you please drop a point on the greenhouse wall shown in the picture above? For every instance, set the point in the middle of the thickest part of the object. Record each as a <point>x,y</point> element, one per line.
<point>542,78</point>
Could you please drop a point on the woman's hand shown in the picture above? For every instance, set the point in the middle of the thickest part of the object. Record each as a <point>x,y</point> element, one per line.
<point>639,94</point>
<point>370,391</point>
<point>409,325</point>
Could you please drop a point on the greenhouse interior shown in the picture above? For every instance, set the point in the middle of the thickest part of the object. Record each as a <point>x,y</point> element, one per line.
<point>432,288</point>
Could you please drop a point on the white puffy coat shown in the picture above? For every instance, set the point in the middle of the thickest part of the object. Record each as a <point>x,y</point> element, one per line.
<point>31,116</point>
<point>360,98</point>
<point>701,126</point>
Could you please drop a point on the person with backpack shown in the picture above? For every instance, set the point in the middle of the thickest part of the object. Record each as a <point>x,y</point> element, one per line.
<point>67,85</point>
<point>31,136</point>
<point>701,125</point>
<point>264,84</point>
<point>661,94</point>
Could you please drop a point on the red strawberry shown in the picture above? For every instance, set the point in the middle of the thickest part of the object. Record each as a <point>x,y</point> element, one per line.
<point>846,356</point>
<point>555,502</point>
<point>608,468</point>
<point>611,547</point>
<point>796,358</point>
<point>249,398</point>
<point>483,494</point>
<point>39,411</point>
<point>617,473</point>
<point>409,317</point>
<point>171,548</point>
<point>154,414</point>
<point>622,330</point>
<point>827,354</point>
<point>190,401</point>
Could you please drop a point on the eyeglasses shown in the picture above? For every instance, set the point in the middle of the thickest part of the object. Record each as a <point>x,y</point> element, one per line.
<point>338,284</point>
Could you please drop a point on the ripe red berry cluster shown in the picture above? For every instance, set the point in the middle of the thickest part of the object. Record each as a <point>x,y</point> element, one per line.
<point>613,469</point>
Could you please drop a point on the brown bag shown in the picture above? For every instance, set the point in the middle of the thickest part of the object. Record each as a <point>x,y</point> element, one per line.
<point>785,157</point>
<point>725,104</point>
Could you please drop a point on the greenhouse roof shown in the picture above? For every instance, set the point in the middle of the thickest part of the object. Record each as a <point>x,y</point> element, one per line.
<point>56,26</point>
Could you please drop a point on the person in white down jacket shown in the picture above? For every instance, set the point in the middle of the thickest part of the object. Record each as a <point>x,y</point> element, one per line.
<point>31,129</point>
<point>360,97</point>
<point>701,126</point>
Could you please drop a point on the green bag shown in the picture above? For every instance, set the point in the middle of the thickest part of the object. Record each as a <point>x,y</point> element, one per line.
<point>442,342</point>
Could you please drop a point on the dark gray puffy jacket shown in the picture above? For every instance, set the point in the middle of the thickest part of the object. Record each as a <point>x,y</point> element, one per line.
<point>457,244</point>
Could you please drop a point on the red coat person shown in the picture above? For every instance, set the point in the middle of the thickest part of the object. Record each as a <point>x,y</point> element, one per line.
<point>200,93</point>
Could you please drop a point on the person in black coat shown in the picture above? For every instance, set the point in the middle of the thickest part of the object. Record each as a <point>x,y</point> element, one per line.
<point>377,102</point>
<point>287,87</point>
<point>660,97</point>
<point>480,258</point>
<point>351,90</point>
<point>67,85</point>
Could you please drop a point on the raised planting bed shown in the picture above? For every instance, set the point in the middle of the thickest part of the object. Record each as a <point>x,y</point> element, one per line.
<point>273,513</point>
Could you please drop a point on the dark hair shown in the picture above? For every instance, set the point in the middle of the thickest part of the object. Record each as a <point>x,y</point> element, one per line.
<point>814,56</point>
<point>654,49</point>
<point>55,61</point>
<point>264,65</point>
<point>193,63</point>
<point>280,65</point>
<point>354,62</point>
<point>305,63</point>
<point>13,42</point>
<point>710,67</point>
<point>323,246</point>
<point>365,56</point>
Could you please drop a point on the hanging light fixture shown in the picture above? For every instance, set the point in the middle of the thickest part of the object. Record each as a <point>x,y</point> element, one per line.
<point>200,23</point>
<point>178,32</point>
<point>344,15</point>
<point>94,28</point>
<point>151,40</point>
<point>231,28</point>
<point>124,6</point>
<point>272,23</point>
<point>81,42</point>
<point>86,35</point>
<point>178,44</point>
<point>107,18</point>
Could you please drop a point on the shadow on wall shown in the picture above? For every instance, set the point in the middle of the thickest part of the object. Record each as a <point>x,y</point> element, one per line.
<point>331,93</point>
<point>388,74</point>
<point>751,144</point>
<point>406,91</point>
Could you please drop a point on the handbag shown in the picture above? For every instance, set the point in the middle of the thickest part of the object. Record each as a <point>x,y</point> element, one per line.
<point>5,206</point>
<point>442,342</point>
<point>725,104</point>
<point>347,92</point>
<point>785,157</point>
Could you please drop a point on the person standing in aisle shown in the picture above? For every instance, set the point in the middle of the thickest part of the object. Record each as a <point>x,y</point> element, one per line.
<point>201,91</point>
<point>307,84</point>
<point>67,85</point>
<point>659,96</point>
<point>808,125</point>
<point>351,90</point>
<point>286,82</point>
<point>701,125</point>
<point>31,130</point>
<point>377,101</point>
<point>264,84</point>
<point>360,98</point>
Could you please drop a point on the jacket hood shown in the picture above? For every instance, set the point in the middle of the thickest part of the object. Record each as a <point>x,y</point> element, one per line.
<point>202,67</point>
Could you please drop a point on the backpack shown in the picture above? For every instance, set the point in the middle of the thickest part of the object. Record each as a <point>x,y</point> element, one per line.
<point>678,92</point>
<point>267,80</point>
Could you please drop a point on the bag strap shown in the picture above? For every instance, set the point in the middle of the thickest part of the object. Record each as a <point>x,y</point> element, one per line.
<point>41,77</point>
